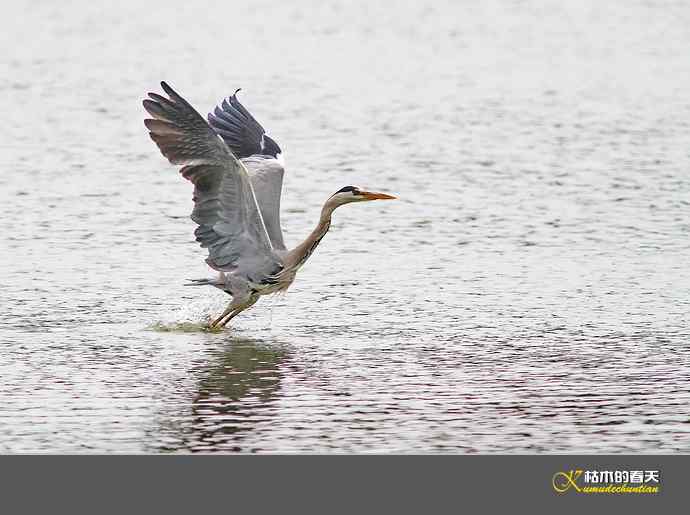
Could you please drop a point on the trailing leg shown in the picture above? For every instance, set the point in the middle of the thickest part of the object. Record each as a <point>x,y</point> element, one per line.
<point>250,303</point>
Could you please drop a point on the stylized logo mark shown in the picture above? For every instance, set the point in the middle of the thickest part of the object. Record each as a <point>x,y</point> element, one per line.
<point>564,481</point>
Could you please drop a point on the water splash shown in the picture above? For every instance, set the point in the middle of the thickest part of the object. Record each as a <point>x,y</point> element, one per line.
<point>184,327</point>
<point>193,317</point>
<point>278,298</point>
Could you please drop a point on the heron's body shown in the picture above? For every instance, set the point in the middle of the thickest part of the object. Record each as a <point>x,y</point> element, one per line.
<point>237,174</point>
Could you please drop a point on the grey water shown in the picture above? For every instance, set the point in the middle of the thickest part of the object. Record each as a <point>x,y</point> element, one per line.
<point>528,292</point>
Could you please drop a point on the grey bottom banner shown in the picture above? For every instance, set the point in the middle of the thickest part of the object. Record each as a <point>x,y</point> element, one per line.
<point>344,484</point>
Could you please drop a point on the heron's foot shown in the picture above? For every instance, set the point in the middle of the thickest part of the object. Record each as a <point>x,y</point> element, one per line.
<point>212,329</point>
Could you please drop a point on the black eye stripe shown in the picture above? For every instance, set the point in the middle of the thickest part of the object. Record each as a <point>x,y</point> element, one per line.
<point>347,188</point>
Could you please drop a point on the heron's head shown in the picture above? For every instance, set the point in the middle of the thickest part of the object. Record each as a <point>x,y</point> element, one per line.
<point>354,194</point>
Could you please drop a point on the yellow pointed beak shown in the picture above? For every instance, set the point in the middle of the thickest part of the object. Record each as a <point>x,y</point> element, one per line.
<point>369,195</point>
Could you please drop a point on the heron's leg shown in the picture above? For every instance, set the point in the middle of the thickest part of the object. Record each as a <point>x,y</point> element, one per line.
<point>239,310</point>
<point>221,317</point>
<point>232,315</point>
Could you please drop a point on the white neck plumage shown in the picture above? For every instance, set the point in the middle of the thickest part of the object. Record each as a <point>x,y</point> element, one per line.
<point>299,255</point>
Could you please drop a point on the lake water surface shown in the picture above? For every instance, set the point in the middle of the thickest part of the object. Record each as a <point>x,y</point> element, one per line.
<point>528,292</point>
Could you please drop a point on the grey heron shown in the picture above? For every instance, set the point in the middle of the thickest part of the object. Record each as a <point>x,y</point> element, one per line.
<point>237,174</point>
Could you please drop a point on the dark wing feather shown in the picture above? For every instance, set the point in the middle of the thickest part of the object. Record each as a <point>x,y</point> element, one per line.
<point>240,130</point>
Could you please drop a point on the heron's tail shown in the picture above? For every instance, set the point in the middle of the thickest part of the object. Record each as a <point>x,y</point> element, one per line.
<point>204,282</point>
<point>218,281</point>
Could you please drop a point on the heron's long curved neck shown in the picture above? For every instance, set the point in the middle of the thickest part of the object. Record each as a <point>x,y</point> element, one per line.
<point>297,256</point>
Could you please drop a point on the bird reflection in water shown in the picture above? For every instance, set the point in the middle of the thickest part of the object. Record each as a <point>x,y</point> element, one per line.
<point>235,398</point>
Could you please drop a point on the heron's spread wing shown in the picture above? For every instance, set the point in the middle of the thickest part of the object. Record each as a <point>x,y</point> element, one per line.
<point>225,206</point>
<point>240,130</point>
<point>266,174</point>
<point>248,141</point>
